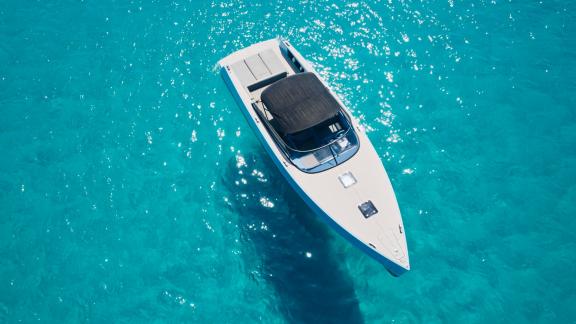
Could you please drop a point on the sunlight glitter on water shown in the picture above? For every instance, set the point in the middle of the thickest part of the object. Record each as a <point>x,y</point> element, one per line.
<point>120,122</point>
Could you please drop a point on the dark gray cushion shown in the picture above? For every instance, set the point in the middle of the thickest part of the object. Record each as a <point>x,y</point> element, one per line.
<point>299,102</point>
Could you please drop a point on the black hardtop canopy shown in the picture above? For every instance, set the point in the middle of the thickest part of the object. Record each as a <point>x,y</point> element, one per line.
<point>299,102</point>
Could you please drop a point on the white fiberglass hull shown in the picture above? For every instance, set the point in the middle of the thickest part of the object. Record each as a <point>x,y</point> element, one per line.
<point>381,235</point>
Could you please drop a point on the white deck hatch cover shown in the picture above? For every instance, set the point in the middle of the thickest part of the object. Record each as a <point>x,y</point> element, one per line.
<point>257,66</point>
<point>272,62</point>
<point>243,73</point>
<point>347,179</point>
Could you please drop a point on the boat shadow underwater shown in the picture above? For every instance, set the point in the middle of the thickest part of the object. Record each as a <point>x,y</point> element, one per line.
<point>295,256</point>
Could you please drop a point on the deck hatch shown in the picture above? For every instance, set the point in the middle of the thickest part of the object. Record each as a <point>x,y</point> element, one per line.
<point>243,74</point>
<point>368,209</point>
<point>257,66</point>
<point>347,179</point>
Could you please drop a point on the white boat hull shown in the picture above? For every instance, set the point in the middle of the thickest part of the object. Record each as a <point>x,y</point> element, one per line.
<point>381,236</point>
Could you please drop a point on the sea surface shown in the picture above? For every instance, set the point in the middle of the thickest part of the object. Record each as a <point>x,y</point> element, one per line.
<point>132,190</point>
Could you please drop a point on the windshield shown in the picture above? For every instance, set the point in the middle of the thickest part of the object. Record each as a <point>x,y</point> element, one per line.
<point>318,148</point>
<point>317,136</point>
<point>322,146</point>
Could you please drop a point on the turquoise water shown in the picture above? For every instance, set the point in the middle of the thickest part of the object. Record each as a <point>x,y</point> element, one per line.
<point>132,189</point>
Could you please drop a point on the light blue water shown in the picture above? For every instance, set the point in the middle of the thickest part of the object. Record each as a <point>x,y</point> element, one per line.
<point>122,200</point>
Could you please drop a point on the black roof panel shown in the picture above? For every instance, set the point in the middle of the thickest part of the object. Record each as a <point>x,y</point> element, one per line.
<point>299,102</point>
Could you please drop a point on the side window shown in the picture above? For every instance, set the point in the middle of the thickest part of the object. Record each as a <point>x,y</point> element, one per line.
<point>295,62</point>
